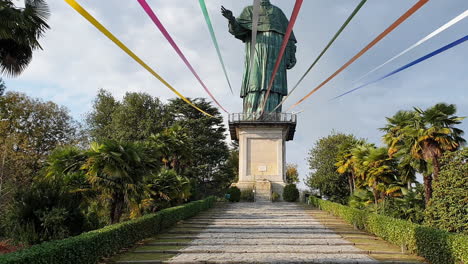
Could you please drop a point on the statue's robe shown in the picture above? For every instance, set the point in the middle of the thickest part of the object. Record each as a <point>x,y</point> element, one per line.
<point>271,30</point>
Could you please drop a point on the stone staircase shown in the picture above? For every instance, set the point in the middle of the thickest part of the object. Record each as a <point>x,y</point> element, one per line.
<point>267,233</point>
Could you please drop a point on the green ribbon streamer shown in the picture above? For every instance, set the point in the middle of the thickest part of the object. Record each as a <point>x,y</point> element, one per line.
<point>356,10</point>
<point>215,42</point>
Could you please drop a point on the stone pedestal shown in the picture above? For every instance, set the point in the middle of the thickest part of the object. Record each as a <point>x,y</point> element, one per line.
<point>262,152</point>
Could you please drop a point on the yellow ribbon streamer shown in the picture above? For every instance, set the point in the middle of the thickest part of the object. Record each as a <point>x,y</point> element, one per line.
<point>108,34</point>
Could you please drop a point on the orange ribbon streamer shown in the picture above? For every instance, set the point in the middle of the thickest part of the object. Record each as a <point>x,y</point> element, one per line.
<point>392,27</point>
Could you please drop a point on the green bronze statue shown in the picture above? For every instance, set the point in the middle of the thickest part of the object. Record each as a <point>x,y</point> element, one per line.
<point>272,27</point>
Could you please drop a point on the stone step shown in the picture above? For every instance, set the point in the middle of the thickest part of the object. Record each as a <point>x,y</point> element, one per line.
<point>272,231</point>
<point>253,219</point>
<point>256,243</point>
<point>262,251</point>
<point>317,261</point>
<point>268,237</point>
<point>258,223</point>
<point>288,227</point>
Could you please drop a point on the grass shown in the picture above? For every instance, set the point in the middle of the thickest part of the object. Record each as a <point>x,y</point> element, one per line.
<point>131,255</point>
<point>139,257</point>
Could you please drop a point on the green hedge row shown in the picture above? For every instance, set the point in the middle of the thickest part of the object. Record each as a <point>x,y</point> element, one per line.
<point>435,245</point>
<point>90,247</point>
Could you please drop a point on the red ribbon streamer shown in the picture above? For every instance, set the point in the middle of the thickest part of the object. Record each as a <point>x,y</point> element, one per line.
<point>397,23</point>
<point>292,21</point>
<point>166,34</point>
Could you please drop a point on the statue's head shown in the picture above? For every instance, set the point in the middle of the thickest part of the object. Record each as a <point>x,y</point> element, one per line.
<point>265,2</point>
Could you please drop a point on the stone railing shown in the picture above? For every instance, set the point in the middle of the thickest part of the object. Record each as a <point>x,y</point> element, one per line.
<point>266,117</point>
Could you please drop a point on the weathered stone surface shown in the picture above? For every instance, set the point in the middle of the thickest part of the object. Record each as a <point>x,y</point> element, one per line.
<point>266,233</point>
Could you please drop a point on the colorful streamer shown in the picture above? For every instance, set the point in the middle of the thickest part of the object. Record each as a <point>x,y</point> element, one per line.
<point>108,34</point>
<point>353,14</point>
<point>428,37</point>
<point>255,18</point>
<point>215,41</point>
<point>292,21</point>
<point>426,57</point>
<point>392,27</point>
<point>166,34</point>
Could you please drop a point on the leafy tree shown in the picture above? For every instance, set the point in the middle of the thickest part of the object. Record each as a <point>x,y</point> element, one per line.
<point>292,175</point>
<point>135,118</point>
<point>20,31</point>
<point>209,165</point>
<point>448,208</point>
<point>99,120</point>
<point>323,175</point>
<point>233,161</point>
<point>421,137</point>
<point>29,130</point>
<point>138,116</point>
<point>2,87</point>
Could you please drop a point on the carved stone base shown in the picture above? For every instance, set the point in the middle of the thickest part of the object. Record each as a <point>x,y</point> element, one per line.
<point>262,155</point>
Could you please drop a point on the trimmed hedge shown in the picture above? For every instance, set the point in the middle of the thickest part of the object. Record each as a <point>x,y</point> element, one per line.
<point>435,245</point>
<point>90,247</point>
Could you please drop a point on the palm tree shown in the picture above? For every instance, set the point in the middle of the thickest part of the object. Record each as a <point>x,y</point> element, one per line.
<point>167,187</point>
<point>173,145</point>
<point>380,171</point>
<point>421,137</point>
<point>20,30</point>
<point>440,134</point>
<point>345,162</point>
<point>117,170</point>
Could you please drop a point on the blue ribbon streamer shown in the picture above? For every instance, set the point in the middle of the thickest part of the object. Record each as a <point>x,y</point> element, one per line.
<point>428,56</point>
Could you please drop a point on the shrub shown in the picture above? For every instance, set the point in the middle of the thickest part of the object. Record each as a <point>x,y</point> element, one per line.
<point>435,245</point>
<point>44,212</point>
<point>275,197</point>
<point>234,194</point>
<point>290,193</point>
<point>247,196</point>
<point>90,247</point>
<point>448,207</point>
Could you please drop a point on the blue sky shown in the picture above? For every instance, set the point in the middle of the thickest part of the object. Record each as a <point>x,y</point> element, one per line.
<point>77,60</point>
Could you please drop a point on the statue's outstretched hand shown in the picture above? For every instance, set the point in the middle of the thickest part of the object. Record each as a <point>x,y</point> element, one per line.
<point>227,14</point>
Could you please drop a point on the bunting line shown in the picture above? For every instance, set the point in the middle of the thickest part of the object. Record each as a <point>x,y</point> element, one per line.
<point>428,37</point>
<point>353,14</point>
<point>426,57</point>
<point>292,21</point>
<point>114,39</point>
<point>382,35</point>
<point>168,37</point>
<point>215,41</point>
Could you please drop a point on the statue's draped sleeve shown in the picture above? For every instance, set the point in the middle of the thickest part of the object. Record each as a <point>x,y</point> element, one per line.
<point>239,31</point>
